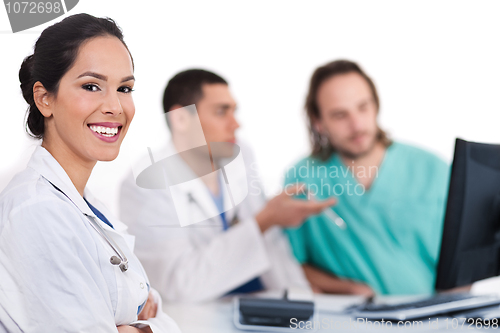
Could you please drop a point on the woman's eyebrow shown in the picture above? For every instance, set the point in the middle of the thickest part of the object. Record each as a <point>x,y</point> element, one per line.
<point>104,77</point>
<point>93,74</point>
<point>128,78</point>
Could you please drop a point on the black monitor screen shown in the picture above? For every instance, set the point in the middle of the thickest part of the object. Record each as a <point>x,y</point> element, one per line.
<point>471,234</point>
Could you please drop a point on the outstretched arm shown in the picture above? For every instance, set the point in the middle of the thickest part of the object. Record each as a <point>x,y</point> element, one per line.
<point>323,282</point>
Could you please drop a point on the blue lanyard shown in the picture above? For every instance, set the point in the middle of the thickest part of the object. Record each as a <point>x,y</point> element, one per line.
<point>219,203</point>
<point>225,226</point>
<point>99,214</point>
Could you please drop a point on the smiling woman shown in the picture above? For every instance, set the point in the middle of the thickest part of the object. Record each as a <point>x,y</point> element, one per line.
<point>93,101</point>
<point>81,274</point>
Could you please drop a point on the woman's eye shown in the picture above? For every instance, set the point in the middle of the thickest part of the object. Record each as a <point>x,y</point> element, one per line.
<point>126,90</point>
<point>91,87</point>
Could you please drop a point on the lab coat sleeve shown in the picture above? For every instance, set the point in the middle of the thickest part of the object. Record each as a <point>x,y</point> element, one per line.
<point>6,322</point>
<point>49,281</point>
<point>160,321</point>
<point>286,271</point>
<point>296,235</point>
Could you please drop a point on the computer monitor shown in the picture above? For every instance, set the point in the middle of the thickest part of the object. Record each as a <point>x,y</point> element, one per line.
<point>471,235</point>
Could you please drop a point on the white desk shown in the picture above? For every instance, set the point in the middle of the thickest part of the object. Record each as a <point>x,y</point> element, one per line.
<point>217,317</point>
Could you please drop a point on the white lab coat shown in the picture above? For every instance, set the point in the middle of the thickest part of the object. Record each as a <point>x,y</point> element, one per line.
<point>55,273</point>
<point>201,262</point>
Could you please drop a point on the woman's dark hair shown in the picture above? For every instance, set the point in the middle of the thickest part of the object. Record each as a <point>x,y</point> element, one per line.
<point>54,54</point>
<point>321,149</point>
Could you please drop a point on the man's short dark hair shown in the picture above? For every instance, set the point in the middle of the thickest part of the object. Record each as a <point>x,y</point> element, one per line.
<point>186,88</point>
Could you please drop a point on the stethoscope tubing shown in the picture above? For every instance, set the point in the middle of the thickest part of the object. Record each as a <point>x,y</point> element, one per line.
<point>123,264</point>
<point>121,260</point>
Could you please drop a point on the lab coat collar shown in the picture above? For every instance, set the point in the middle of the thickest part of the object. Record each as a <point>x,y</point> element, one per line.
<point>46,165</point>
<point>197,188</point>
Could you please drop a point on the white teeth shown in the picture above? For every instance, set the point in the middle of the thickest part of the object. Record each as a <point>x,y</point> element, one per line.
<point>105,131</point>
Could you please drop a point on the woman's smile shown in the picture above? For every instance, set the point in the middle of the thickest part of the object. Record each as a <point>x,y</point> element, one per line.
<point>106,131</point>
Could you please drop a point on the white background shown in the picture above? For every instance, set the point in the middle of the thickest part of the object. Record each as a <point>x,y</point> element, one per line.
<point>435,63</point>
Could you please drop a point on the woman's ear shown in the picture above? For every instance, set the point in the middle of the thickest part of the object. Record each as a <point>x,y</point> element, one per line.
<point>42,99</point>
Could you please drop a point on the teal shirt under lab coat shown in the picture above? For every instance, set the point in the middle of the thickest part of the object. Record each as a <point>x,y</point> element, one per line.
<point>394,229</point>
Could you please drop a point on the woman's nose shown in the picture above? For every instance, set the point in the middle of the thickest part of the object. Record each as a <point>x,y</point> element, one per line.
<point>112,104</point>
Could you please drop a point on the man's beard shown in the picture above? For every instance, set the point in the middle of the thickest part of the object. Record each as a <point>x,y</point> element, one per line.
<point>348,154</point>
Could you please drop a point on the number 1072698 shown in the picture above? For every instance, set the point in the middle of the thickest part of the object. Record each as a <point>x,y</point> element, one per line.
<point>26,7</point>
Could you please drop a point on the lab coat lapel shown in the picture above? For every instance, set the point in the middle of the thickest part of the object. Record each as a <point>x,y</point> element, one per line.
<point>201,201</point>
<point>45,164</point>
<point>228,203</point>
<point>236,180</point>
<point>192,199</point>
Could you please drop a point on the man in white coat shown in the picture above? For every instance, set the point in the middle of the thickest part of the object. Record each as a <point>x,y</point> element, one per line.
<point>238,250</point>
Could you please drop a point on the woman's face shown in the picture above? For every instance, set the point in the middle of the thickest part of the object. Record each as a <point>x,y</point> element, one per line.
<point>93,108</point>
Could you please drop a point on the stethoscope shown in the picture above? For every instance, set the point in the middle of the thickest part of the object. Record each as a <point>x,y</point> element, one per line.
<point>120,259</point>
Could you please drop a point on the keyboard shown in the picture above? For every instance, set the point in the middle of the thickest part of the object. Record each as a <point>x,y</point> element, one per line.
<point>428,307</point>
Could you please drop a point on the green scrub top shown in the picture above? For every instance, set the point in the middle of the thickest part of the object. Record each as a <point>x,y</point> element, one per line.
<point>394,228</point>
